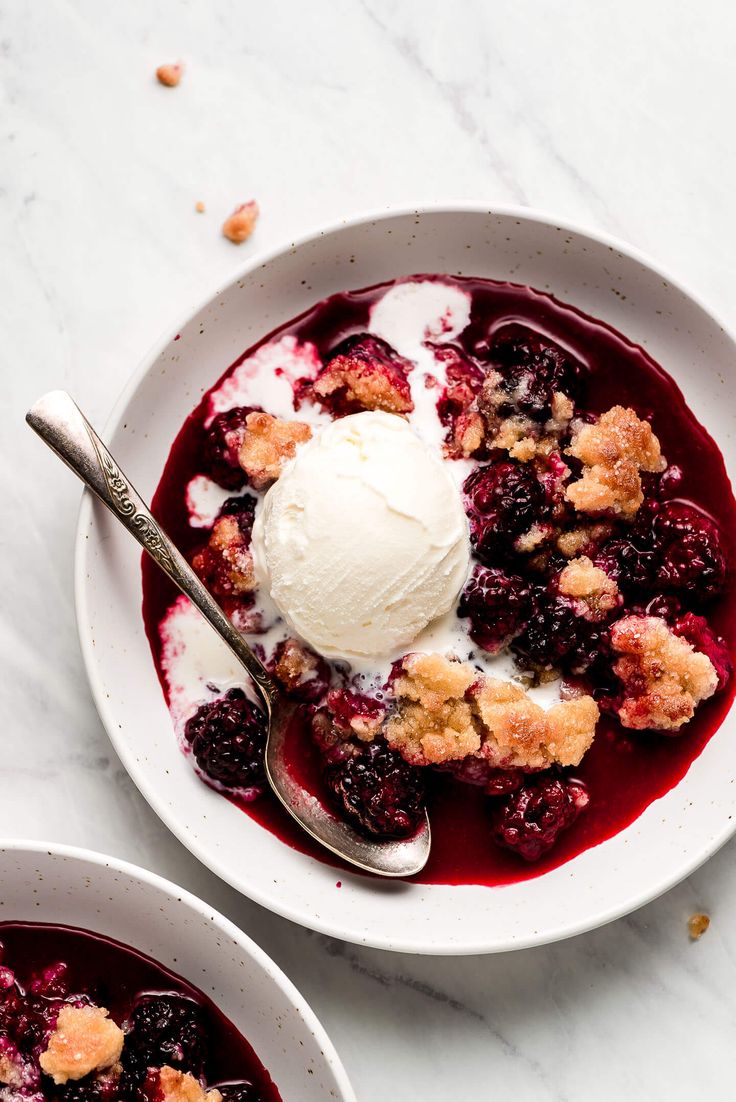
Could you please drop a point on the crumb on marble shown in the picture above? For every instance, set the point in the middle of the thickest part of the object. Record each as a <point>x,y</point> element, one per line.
<point>697,924</point>
<point>170,75</point>
<point>241,223</point>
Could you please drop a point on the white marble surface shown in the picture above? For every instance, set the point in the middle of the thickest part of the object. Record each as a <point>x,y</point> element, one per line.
<point>618,115</point>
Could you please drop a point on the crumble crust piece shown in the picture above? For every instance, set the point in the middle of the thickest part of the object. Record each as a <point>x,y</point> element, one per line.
<point>518,733</point>
<point>11,1071</point>
<point>181,1086</point>
<point>434,722</point>
<point>613,451</point>
<point>663,677</point>
<point>523,438</point>
<point>447,711</point>
<point>225,564</point>
<point>697,924</point>
<point>169,75</point>
<point>295,664</point>
<point>468,435</point>
<point>268,443</point>
<point>594,593</point>
<point>369,386</point>
<point>241,223</point>
<point>531,540</point>
<point>583,539</point>
<point>84,1040</point>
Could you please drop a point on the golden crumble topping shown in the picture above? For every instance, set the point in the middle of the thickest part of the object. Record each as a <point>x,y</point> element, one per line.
<point>468,435</point>
<point>697,924</point>
<point>365,727</point>
<point>663,677</point>
<point>518,733</point>
<point>531,540</point>
<point>613,451</point>
<point>562,413</point>
<point>295,664</point>
<point>361,383</point>
<point>225,564</point>
<point>447,711</point>
<point>521,437</point>
<point>434,722</point>
<point>432,679</point>
<point>268,443</point>
<point>84,1040</point>
<point>11,1072</point>
<point>583,539</point>
<point>595,594</point>
<point>181,1086</point>
<point>241,223</point>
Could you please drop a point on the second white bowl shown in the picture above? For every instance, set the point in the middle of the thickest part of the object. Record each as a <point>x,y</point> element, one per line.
<point>75,887</point>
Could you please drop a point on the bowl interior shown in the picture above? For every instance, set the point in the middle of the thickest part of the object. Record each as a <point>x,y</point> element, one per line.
<point>180,932</point>
<point>605,280</point>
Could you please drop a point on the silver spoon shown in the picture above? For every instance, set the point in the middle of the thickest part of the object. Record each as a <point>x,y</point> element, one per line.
<point>62,425</point>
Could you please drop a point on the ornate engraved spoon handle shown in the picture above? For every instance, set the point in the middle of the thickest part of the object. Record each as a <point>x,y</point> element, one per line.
<point>62,425</point>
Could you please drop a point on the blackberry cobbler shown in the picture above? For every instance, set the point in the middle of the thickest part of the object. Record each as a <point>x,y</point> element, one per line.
<point>86,1019</point>
<point>485,544</point>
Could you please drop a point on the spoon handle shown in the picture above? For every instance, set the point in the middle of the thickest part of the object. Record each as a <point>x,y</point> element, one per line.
<point>62,425</point>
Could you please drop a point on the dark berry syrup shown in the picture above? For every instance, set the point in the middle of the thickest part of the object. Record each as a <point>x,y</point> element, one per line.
<point>624,771</point>
<point>115,976</point>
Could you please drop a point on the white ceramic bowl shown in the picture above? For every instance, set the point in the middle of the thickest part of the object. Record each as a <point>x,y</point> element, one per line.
<point>601,276</point>
<point>77,887</point>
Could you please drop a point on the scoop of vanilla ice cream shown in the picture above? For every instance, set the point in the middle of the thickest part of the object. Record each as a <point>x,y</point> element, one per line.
<point>363,539</point>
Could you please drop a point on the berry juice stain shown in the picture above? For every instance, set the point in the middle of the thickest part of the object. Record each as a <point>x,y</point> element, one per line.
<point>624,771</point>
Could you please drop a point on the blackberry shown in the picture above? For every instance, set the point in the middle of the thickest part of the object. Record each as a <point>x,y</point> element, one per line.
<point>672,548</point>
<point>503,499</point>
<point>378,792</point>
<point>700,636</point>
<point>557,638</point>
<point>92,1088</point>
<point>228,740</point>
<point>239,1092</point>
<point>164,1030</point>
<point>533,369</point>
<point>222,440</point>
<point>687,549</point>
<point>530,820</point>
<point>243,508</point>
<point>347,706</point>
<point>28,1019</point>
<point>498,606</point>
<point>629,562</point>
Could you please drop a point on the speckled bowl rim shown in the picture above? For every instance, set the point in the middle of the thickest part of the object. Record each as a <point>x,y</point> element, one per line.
<point>228,929</point>
<point>397,942</point>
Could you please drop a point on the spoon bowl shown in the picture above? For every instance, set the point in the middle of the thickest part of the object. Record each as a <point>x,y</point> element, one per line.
<point>63,427</point>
